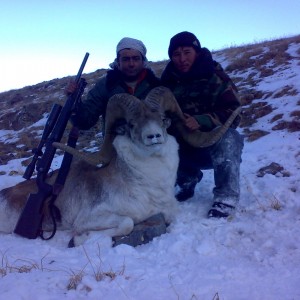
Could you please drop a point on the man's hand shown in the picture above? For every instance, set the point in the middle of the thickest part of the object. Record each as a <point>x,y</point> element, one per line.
<point>191,123</point>
<point>71,88</point>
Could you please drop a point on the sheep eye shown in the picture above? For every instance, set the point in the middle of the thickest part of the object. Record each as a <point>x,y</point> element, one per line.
<point>166,122</point>
<point>130,125</point>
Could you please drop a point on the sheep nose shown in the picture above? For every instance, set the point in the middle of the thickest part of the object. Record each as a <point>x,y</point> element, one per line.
<point>152,136</point>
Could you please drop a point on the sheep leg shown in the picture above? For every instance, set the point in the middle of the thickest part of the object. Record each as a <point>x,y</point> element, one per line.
<point>108,224</point>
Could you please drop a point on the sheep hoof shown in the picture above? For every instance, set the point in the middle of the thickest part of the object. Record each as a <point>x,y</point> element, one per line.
<point>78,239</point>
<point>71,243</point>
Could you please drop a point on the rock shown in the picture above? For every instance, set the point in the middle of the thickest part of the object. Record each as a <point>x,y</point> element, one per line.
<point>143,232</point>
<point>273,169</point>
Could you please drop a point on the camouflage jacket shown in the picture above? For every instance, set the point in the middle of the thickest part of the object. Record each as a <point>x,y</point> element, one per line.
<point>111,83</point>
<point>206,92</point>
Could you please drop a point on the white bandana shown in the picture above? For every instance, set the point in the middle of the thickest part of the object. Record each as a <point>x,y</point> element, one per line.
<point>130,43</point>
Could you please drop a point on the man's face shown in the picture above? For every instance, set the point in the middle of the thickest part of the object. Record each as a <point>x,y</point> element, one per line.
<point>130,63</point>
<point>183,58</point>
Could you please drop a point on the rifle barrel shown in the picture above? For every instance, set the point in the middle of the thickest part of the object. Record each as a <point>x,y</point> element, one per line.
<point>78,76</point>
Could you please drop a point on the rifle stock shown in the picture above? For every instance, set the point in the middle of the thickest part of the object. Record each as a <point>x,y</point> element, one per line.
<point>30,220</point>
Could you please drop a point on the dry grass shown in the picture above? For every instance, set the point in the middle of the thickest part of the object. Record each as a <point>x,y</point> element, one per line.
<point>275,204</point>
<point>20,265</point>
<point>253,135</point>
<point>158,66</point>
<point>261,57</point>
<point>75,277</point>
<point>273,168</point>
<point>266,71</point>
<point>99,274</point>
<point>244,59</point>
<point>286,91</point>
<point>253,112</point>
<point>295,114</point>
<point>276,118</point>
<point>272,203</point>
<point>290,126</point>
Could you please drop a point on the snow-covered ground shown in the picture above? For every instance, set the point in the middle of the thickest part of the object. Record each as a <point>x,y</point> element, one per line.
<point>254,255</point>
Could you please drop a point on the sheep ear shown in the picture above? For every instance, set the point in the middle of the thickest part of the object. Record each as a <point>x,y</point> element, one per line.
<point>167,122</point>
<point>121,128</point>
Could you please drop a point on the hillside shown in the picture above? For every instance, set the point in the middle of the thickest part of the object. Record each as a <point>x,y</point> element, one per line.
<point>254,254</point>
<point>250,67</point>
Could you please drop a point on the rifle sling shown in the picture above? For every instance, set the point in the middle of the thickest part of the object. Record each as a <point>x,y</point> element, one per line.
<point>60,181</point>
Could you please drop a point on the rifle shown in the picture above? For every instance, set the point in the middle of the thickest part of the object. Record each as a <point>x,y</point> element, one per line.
<point>29,224</point>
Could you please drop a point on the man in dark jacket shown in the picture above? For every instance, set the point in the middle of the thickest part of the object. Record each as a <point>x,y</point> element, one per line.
<point>207,97</point>
<point>129,74</point>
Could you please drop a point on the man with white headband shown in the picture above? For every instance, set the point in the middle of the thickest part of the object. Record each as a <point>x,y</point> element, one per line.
<point>129,74</point>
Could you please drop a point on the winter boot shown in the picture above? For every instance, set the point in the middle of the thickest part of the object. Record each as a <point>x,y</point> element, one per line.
<point>220,210</point>
<point>187,186</point>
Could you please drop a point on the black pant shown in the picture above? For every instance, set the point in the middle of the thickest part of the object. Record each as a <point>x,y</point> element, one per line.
<point>224,158</point>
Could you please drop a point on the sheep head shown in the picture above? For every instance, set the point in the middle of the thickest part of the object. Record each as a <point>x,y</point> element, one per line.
<point>127,115</point>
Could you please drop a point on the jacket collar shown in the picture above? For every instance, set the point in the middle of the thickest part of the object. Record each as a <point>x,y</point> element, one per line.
<point>114,77</point>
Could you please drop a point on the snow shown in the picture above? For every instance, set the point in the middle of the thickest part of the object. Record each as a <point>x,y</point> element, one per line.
<point>253,255</point>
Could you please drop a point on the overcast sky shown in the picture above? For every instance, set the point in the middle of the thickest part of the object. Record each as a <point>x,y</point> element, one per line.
<point>42,40</point>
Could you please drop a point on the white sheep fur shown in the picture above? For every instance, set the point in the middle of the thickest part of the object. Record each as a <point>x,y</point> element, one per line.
<point>138,183</point>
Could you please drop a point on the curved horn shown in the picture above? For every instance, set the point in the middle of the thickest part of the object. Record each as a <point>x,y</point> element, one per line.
<point>80,155</point>
<point>163,97</point>
<point>200,139</point>
<point>119,106</point>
